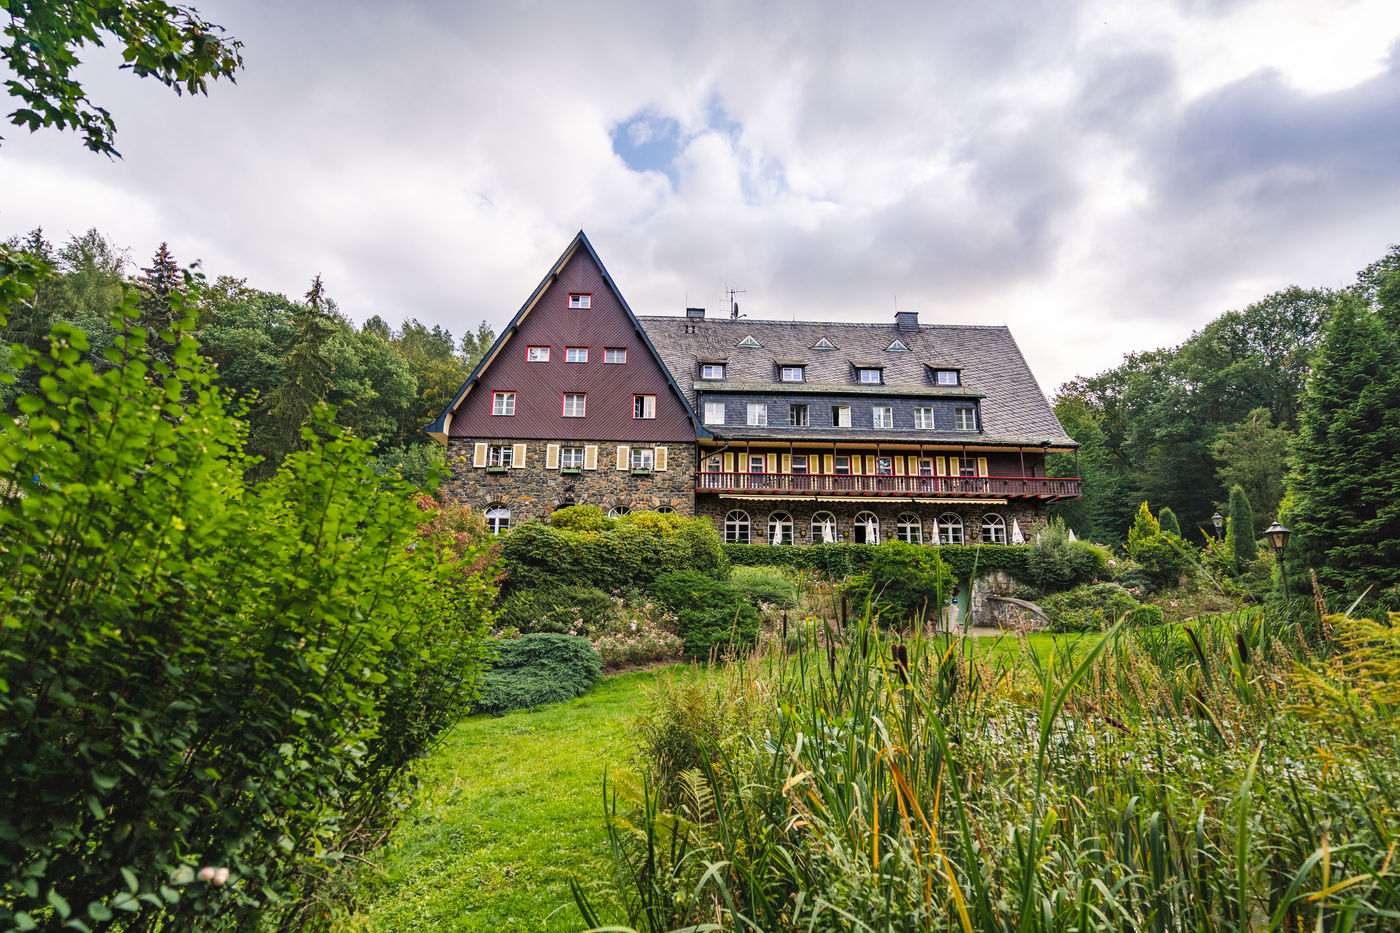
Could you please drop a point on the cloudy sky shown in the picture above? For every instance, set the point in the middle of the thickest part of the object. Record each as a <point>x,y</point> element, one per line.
<point>1100,176</point>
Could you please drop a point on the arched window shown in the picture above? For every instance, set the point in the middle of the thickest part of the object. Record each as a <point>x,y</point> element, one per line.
<point>736,527</point>
<point>993,529</point>
<point>665,509</point>
<point>823,528</point>
<point>950,529</point>
<point>780,528</point>
<point>909,528</point>
<point>497,519</point>
<point>618,511</point>
<point>867,529</point>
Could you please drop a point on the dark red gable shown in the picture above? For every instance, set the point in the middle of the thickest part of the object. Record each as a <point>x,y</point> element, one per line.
<point>540,387</point>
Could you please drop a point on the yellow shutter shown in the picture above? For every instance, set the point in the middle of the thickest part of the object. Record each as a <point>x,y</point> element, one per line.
<point>479,456</point>
<point>940,466</point>
<point>661,458</point>
<point>590,457</point>
<point>870,464</point>
<point>828,464</point>
<point>551,456</point>
<point>624,454</point>
<point>855,465</point>
<point>898,465</point>
<point>982,466</point>
<point>517,458</point>
<point>772,463</point>
<point>787,463</point>
<point>729,463</point>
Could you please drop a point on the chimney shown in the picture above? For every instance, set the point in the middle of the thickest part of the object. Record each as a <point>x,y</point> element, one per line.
<point>694,312</point>
<point>906,320</point>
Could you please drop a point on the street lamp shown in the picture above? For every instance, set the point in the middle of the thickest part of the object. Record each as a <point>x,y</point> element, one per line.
<point>1219,526</point>
<point>1277,536</point>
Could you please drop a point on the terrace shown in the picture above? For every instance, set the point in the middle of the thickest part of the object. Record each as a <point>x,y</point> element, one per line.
<point>842,484</point>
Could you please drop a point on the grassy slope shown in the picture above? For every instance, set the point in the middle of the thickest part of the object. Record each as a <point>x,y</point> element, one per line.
<point>511,809</point>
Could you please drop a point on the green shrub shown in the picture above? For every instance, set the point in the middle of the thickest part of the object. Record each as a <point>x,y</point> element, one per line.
<point>903,581</point>
<point>1054,562</point>
<point>765,585</point>
<point>1131,576</point>
<point>1097,607</point>
<point>710,616</point>
<point>533,670</point>
<point>1161,555</point>
<point>1242,543</point>
<point>581,518</point>
<point>1168,521</point>
<point>840,560</point>
<point>555,608</point>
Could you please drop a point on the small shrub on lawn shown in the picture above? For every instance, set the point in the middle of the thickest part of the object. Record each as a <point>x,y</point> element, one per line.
<point>1054,562</point>
<point>765,585</point>
<point>637,635</point>
<point>1097,607</point>
<point>559,609</point>
<point>710,615</point>
<point>533,670</point>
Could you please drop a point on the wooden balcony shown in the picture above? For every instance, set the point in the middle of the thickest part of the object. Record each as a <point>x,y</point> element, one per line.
<point>837,485</point>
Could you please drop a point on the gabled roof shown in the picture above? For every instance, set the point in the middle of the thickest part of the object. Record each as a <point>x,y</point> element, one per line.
<point>438,429</point>
<point>1013,409</point>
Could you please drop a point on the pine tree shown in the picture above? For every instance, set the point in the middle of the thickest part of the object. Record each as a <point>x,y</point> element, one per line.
<point>1345,504</point>
<point>306,379</point>
<point>158,282</point>
<point>1243,543</point>
<point>1167,519</point>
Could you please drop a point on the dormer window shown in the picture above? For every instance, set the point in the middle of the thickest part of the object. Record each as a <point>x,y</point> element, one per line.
<point>965,419</point>
<point>792,373</point>
<point>749,343</point>
<point>711,370</point>
<point>867,375</point>
<point>948,377</point>
<point>578,300</point>
<point>897,347</point>
<point>823,344</point>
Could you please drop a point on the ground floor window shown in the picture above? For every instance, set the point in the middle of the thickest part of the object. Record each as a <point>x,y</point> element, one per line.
<point>867,528</point>
<point>823,528</point>
<point>571,458</point>
<point>736,527</point>
<point>665,509</point>
<point>993,529</point>
<point>643,458</point>
<point>497,519</point>
<point>618,511</point>
<point>780,528</point>
<point>950,529</point>
<point>499,456</point>
<point>909,528</point>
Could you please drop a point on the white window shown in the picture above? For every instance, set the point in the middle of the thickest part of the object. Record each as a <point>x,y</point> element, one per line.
<point>793,373</point>
<point>537,354</point>
<point>882,416</point>
<point>947,377</point>
<point>571,458</point>
<point>714,413</point>
<point>840,416</point>
<point>798,417</point>
<point>497,519</point>
<point>925,466</point>
<point>758,414</point>
<point>909,528</point>
<point>665,510</point>
<point>780,528</point>
<point>576,355</point>
<point>823,528</point>
<point>712,371</point>
<point>502,403</point>
<point>883,466</point>
<point>736,527</point>
<point>757,463</point>
<point>867,528</point>
<point>868,376</point>
<point>644,406</point>
<point>799,463</point>
<point>574,404</point>
<point>713,465</point>
<point>967,467</point>
<point>966,418</point>
<point>923,418</point>
<point>643,458</point>
<point>618,511</point>
<point>993,529</point>
<point>615,355</point>
<point>842,466</point>
<point>499,456</point>
<point>950,529</point>
<point>580,301</point>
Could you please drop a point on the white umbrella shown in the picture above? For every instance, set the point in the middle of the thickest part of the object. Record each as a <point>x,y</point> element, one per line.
<point>1016,536</point>
<point>872,532</point>
<point>777,532</point>
<point>937,535</point>
<point>829,532</point>
<point>1071,535</point>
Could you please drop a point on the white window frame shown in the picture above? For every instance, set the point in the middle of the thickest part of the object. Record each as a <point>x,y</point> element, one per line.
<point>819,520</point>
<point>884,466</point>
<point>571,354</point>
<point>950,529</point>
<point>868,376</point>
<point>789,527</point>
<point>497,519</point>
<point>569,453</point>
<point>840,468</point>
<point>503,404</point>
<point>909,528</point>
<point>618,511</point>
<point>642,458</point>
<point>967,466</point>
<point>537,354</point>
<point>993,529</point>
<point>804,421</point>
<point>714,413</point>
<point>500,455</point>
<point>859,526</point>
<point>582,405</point>
<point>924,419</point>
<point>881,416</point>
<point>757,415</point>
<point>610,355</point>
<point>792,374</point>
<point>966,418</point>
<point>760,461</point>
<point>712,371</point>
<point>582,300</point>
<point>799,464</point>
<point>840,416</point>
<point>647,409</point>
<point>925,466</point>
<point>737,527</point>
<point>948,377</point>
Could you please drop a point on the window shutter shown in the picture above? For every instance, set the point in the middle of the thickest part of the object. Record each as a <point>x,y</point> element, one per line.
<point>590,457</point>
<point>660,458</point>
<point>624,454</point>
<point>940,466</point>
<point>855,465</point>
<point>729,463</point>
<point>787,463</point>
<point>551,456</point>
<point>828,465</point>
<point>479,456</point>
<point>772,466</point>
<point>517,458</point>
<point>898,465</point>
<point>982,466</point>
<point>870,464</point>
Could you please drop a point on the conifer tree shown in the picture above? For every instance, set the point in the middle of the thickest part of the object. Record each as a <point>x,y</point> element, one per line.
<point>158,282</point>
<point>1244,546</point>
<point>1167,519</point>
<point>1345,507</point>
<point>306,378</point>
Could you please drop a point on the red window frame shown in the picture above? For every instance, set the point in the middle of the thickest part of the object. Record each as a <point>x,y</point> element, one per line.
<point>514,402</point>
<point>548,351</point>
<point>563,404</point>
<point>568,350</point>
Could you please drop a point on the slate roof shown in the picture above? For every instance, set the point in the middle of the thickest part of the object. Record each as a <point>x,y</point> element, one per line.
<point>1013,409</point>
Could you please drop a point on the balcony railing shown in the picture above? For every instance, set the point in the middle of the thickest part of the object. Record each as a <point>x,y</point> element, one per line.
<point>833,484</point>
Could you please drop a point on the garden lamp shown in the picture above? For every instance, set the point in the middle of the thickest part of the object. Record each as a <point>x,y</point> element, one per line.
<point>1277,536</point>
<point>1219,526</point>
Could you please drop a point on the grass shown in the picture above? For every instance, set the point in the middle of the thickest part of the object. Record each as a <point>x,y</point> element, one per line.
<point>510,811</point>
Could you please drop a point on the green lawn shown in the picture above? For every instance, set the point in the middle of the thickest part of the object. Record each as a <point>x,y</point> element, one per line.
<point>511,809</point>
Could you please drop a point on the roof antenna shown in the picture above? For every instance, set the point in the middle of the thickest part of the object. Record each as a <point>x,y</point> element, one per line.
<point>734,305</point>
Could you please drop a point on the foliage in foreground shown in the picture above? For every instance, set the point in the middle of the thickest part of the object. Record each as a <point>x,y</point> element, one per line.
<point>534,670</point>
<point>211,692</point>
<point>1095,608</point>
<point>1225,778</point>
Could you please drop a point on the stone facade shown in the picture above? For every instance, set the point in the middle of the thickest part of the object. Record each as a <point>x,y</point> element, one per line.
<point>1027,512</point>
<point>534,492</point>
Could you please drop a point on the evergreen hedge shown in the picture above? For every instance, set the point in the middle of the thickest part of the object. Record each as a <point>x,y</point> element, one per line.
<point>839,560</point>
<point>533,670</point>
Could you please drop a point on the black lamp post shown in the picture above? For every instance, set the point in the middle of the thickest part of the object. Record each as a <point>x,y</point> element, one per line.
<point>1219,526</point>
<point>1277,536</point>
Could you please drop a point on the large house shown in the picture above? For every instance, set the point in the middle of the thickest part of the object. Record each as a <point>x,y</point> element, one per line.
<point>782,433</point>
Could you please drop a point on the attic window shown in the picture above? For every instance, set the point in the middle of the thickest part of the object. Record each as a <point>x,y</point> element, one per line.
<point>868,375</point>
<point>750,343</point>
<point>823,344</point>
<point>793,373</point>
<point>947,377</point>
<point>580,301</point>
<point>897,346</point>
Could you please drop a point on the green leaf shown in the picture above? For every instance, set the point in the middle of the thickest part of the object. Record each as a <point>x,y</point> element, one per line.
<point>29,404</point>
<point>129,877</point>
<point>59,904</point>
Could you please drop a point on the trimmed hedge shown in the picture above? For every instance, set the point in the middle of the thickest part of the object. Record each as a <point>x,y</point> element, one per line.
<point>533,670</point>
<point>838,560</point>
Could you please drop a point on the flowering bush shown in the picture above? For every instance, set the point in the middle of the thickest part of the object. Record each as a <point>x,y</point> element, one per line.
<point>637,635</point>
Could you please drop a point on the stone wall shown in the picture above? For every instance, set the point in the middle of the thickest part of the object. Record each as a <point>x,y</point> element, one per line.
<point>534,492</point>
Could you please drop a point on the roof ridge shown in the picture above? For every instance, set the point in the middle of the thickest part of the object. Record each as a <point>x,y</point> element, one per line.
<point>749,320</point>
